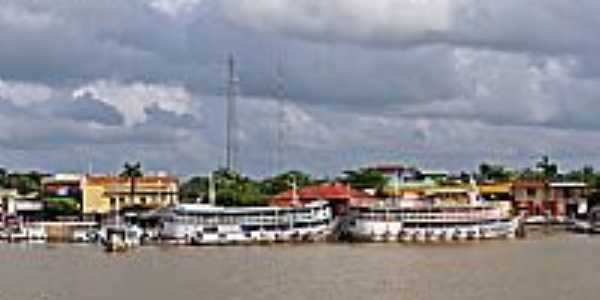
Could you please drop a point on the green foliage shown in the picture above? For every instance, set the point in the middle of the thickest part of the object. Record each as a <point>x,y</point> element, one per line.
<point>25,183</point>
<point>62,206</point>
<point>194,188</point>
<point>132,170</point>
<point>493,172</point>
<point>233,189</point>
<point>3,177</point>
<point>283,182</point>
<point>550,170</point>
<point>365,179</point>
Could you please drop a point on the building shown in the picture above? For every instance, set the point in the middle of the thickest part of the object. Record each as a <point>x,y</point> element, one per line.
<point>24,207</point>
<point>404,182</point>
<point>569,199</point>
<point>340,196</point>
<point>101,193</point>
<point>530,197</point>
<point>498,194</point>
<point>7,198</point>
<point>557,200</point>
<point>61,194</point>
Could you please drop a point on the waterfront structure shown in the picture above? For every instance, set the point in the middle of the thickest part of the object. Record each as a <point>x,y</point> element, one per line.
<point>7,197</point>
<point>20,207</point>
<point>61,194</point>
<point>206,224</point>
<point>569,199</point>
<point>405,182</point>
<point>340,196</point>
<point>498,194</point>
<point>530,197</point>
<point>555,201</point>
<point>101,192</point>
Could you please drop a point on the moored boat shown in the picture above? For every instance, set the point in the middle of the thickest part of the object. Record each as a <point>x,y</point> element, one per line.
<point>430,223</point>
<point>201,224</point>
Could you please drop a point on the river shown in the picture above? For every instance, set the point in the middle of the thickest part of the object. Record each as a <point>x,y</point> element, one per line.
<point>560,266</point>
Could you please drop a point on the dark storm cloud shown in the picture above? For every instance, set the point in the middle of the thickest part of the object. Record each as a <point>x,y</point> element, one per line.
<point>88,109</point>
<point>160,117</point>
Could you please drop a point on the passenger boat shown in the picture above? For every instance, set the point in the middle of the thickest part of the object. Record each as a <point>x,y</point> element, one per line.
<point>430,223</point>
<point>202,224</point>
<point>24,232</point>
<point>121,238</point>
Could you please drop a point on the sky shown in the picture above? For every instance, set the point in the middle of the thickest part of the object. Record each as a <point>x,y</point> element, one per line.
<point>440,84</point>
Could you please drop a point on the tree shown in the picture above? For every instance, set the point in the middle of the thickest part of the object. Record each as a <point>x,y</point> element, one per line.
<point>550,170</point>
<point>282,182</point>
<point>194,188</point>
<point>3,174</point>
<point>233,189</point>
<point>365,178</point>
<point>132,172</point>
<point>25,183</point>
<point>493,172</point>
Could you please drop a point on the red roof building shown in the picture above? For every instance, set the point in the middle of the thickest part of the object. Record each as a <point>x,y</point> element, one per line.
<point>340,195</point>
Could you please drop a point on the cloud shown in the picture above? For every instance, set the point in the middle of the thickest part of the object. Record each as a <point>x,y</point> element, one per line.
<point>133,100</point>
<point>86,108</point>
<point>552,26</point>
<point>175,8</point>
<point>23,93</point>
<point>439,83</point>
<point>353,20</point>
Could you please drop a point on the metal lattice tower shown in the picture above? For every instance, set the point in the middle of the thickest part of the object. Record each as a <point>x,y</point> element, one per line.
<point>232,125</point>
<point>281,124</point>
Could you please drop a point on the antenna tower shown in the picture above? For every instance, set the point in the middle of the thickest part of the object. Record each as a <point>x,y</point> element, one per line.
<point>232,134</point>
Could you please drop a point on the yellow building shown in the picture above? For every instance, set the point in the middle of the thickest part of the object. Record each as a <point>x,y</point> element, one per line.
<point>101,193</point>
<point>498,194</point>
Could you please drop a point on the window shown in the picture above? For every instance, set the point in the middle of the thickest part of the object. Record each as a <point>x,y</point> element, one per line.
<point>531,192</point>
<point>143,200</point>
<point>113,202</point>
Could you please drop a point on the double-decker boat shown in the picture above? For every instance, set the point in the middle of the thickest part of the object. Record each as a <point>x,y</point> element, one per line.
<point>433,223</point>
<point>202,224</point>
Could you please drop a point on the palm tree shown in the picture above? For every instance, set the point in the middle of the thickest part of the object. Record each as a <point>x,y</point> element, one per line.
<point>132,172</point>
<point>549,169</point>
<point>550,172</point>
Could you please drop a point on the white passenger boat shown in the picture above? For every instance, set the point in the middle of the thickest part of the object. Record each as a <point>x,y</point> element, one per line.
<point>25,232</point>
<point>202,224</point>
<point>120,238</point>
<point>431,223</point>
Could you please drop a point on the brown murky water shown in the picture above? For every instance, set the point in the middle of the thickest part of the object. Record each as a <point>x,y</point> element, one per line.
<point>555,267</point>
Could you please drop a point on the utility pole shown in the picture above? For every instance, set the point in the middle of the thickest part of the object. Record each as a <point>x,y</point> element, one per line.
<point>212,195</point>
<point>232,134</point>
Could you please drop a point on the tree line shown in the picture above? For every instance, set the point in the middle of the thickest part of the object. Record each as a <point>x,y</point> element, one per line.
<point>233,188</point>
